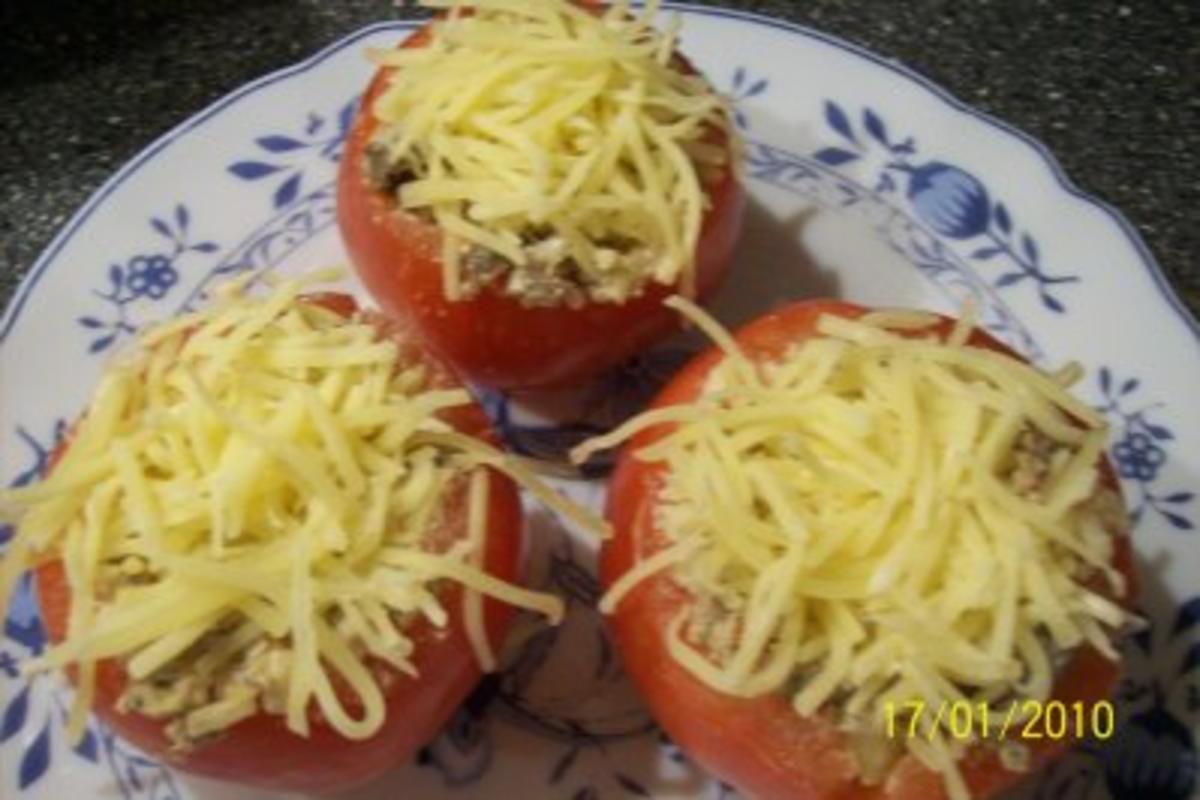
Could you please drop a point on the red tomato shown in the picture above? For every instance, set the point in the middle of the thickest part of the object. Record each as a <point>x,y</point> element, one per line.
<point>760,745</point>
<point>493,339</point>
<point>261,750</point>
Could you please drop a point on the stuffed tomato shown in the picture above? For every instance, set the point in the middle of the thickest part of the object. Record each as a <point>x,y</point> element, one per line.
<point>528,182</point>
<point>276,549</point>
<point>857,554</point>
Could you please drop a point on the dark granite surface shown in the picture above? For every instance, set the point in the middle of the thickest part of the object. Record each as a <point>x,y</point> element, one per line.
<point>1112,88</point>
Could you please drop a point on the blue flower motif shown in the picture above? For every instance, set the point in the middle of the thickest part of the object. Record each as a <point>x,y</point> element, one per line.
<point>950,200</point>
<point>22,634</point>
<point>1151,752</point>
<point>35,760</point>
<point>1141,451</point>
<point>145,276</point>
<point>946,198</point>
<point>1138,457</point>
<point>150,276</point>
<point>463,753</point>
<point>743,89</point>
<point>286,156</point>
<point>1153,755</point>
<point>24,623</point>
<point>610,400</point>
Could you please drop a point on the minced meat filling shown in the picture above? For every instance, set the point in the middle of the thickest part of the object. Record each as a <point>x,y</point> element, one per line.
<point>383,174</point>
<point>1035,457</point>
<point>235,670</point>
<point>222,669</point>
<point>550,278</point>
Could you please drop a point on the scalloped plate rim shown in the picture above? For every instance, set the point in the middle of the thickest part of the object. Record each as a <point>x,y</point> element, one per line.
<point>1070,197</point>
<point>1040,149</point>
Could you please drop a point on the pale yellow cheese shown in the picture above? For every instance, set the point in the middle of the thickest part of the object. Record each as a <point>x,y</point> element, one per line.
<point>273,472</point>
<point>477,503</point>
<point>537,114</point>
<point>850,508</point>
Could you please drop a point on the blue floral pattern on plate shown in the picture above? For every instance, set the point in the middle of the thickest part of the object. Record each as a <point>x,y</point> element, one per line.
<point>944,217</point>
<point>950,200</point>
<point>1153,754</point>
<point>286,157</point>
<point>269,245</point>
<point>137,777</point>
<point>148,276</point>
<point>1141,451</point>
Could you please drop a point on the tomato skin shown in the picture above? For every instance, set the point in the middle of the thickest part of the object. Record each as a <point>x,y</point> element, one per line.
<point>759,744</point>
<point>492,338</point>
<point>261,751</point>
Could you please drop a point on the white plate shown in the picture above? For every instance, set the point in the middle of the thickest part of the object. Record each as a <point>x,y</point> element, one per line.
<point>866,182</point>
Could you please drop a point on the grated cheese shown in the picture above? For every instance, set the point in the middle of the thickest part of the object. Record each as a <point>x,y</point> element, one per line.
<point>855,511</point>
<point>255,490</point>
<point>536,121</point>
<point>477,500</point>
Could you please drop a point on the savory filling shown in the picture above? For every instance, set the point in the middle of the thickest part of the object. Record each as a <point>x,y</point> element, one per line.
<point>258,505</point>
<point>566,155</point>
<point>875,519</point>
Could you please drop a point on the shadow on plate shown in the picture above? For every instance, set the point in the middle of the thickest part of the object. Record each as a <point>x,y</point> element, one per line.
<point>771,268</point>
<point>1152,752</point>
<point>560,719</point>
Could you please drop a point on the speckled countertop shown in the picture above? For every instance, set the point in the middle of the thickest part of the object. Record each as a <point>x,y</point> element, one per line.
<point>1112,88</point>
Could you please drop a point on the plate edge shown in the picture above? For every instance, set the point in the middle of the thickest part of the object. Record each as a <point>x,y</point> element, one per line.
<point>1158,276</point>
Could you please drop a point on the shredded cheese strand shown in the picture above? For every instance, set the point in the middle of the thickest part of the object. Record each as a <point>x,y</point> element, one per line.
<point>481,454</point>
<point>477,504</point>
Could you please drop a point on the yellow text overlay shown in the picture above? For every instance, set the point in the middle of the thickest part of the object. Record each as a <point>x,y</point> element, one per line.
<point>1025,720</point>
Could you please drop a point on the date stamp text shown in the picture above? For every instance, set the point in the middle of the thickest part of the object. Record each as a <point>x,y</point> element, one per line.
<point>1023,720</point>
